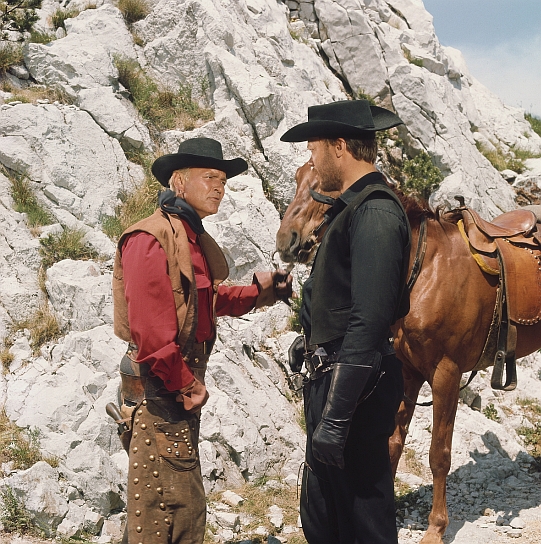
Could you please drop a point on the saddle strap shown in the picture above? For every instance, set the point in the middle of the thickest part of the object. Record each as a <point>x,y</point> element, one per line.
<point>507,342</point>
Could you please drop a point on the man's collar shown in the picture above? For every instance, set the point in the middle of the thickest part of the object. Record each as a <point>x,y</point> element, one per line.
<point>352,191</point>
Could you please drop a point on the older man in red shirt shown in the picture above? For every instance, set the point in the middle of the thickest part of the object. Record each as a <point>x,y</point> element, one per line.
<point>167,287</point>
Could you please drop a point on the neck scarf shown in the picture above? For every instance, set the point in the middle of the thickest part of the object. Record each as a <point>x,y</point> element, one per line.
<point>170,203</point>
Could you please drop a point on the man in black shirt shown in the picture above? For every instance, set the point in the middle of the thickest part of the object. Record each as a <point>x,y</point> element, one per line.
<point>355,292</point>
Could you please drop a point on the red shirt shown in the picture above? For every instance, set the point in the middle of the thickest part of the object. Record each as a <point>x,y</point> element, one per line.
<point>151,307</point>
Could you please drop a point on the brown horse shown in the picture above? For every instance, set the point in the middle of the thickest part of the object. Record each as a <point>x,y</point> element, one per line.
<point>443,335</point>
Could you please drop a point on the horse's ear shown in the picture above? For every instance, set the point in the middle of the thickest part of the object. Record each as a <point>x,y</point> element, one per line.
<point>322,199</point>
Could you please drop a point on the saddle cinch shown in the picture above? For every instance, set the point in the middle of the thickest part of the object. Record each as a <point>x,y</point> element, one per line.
<point>510,245</point>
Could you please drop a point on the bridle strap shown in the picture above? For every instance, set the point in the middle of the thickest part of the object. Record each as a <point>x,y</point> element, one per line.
<point>322,199</point>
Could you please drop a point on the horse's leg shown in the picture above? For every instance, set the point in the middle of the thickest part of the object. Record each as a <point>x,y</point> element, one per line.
<point>445,390</point>
<point>412,384</point>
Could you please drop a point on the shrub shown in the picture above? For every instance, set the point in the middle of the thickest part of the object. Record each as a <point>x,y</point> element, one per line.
<point>14,516</point>
<point>69,244</point>
<point>535,122</point>
<point>58,18</point>
<point>137,205</point>
<point>164,107</point>
<point>17,16</point>
<point>26,202</point>
<point>10,54</point>
<point>133,10</point>
<point>422,178</point>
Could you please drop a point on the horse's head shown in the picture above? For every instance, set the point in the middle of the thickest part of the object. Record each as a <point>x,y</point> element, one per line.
<point>298,235</point>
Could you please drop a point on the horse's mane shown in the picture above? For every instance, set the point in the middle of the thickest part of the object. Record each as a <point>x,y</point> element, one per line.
<point>416,208</point>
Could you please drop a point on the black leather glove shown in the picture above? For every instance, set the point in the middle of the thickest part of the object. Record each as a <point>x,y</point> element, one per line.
<point>347,385</point>
<point>295,354</point>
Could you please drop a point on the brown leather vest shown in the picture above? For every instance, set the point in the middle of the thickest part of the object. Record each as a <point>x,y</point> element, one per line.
<point>170,233</point>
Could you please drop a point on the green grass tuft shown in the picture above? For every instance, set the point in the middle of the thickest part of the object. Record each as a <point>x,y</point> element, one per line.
<point>26,202</point>
<point>58,18</point>
<point>138,204</point>
<point>69,244</point>
<point>165,108</point>
<point>41,36</point>
<point>133,10</point>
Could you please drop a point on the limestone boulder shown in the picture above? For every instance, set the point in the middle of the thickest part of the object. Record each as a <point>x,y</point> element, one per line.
<point>116,116</point>
<point>345,30</point>
<point>19,263</point>
<point>79,168</point>
<point>39,490</point>
<point>80,294</point>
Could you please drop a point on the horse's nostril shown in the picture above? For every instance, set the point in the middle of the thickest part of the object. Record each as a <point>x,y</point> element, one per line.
<point>294,239</point>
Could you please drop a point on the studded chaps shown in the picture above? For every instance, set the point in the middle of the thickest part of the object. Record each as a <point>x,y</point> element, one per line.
<point>166,498</point>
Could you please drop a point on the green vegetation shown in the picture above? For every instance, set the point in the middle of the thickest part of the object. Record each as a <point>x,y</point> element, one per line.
<point>41,36</point>
<point>490,412</point>
<point>20,446</point>
<point>412,60</point>
<point>14,516</point>
<point>138,204</point>
<point>421,177</point>
<point>133,10</point>
<point>499,160</point>
<point>294,317</point>
<point>26,202</point>
<point>43,327</point>
<point>164,108</point>
<point>59,17</point>
<point>361,95</point>
<point>531,434</point>
<point>535,122</point>
<point>17,16</point>
<point>69,244</point>
<point>10,54</point>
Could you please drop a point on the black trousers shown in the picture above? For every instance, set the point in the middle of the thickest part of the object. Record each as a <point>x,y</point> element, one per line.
<point>354,505</point>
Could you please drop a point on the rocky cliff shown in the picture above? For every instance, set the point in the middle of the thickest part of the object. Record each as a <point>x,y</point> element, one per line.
<point>257,65</point>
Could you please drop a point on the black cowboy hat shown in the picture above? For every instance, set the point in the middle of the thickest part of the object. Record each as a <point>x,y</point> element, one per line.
<point>197,153</point>
<point>342,119</point>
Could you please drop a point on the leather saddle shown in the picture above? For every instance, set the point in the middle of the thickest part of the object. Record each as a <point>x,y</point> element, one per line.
<point>515,237</point>
<point>511,245</point>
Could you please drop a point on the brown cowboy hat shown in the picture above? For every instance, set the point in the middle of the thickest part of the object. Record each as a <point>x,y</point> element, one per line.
<point>197,153</point>
<point>342,119</point>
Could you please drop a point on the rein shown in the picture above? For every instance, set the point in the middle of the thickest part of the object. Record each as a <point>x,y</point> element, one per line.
<point>419,254</point>
<point>414,274</point>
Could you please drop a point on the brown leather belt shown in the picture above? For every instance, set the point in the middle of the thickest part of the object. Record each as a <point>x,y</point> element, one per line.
<point>138,385</point>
